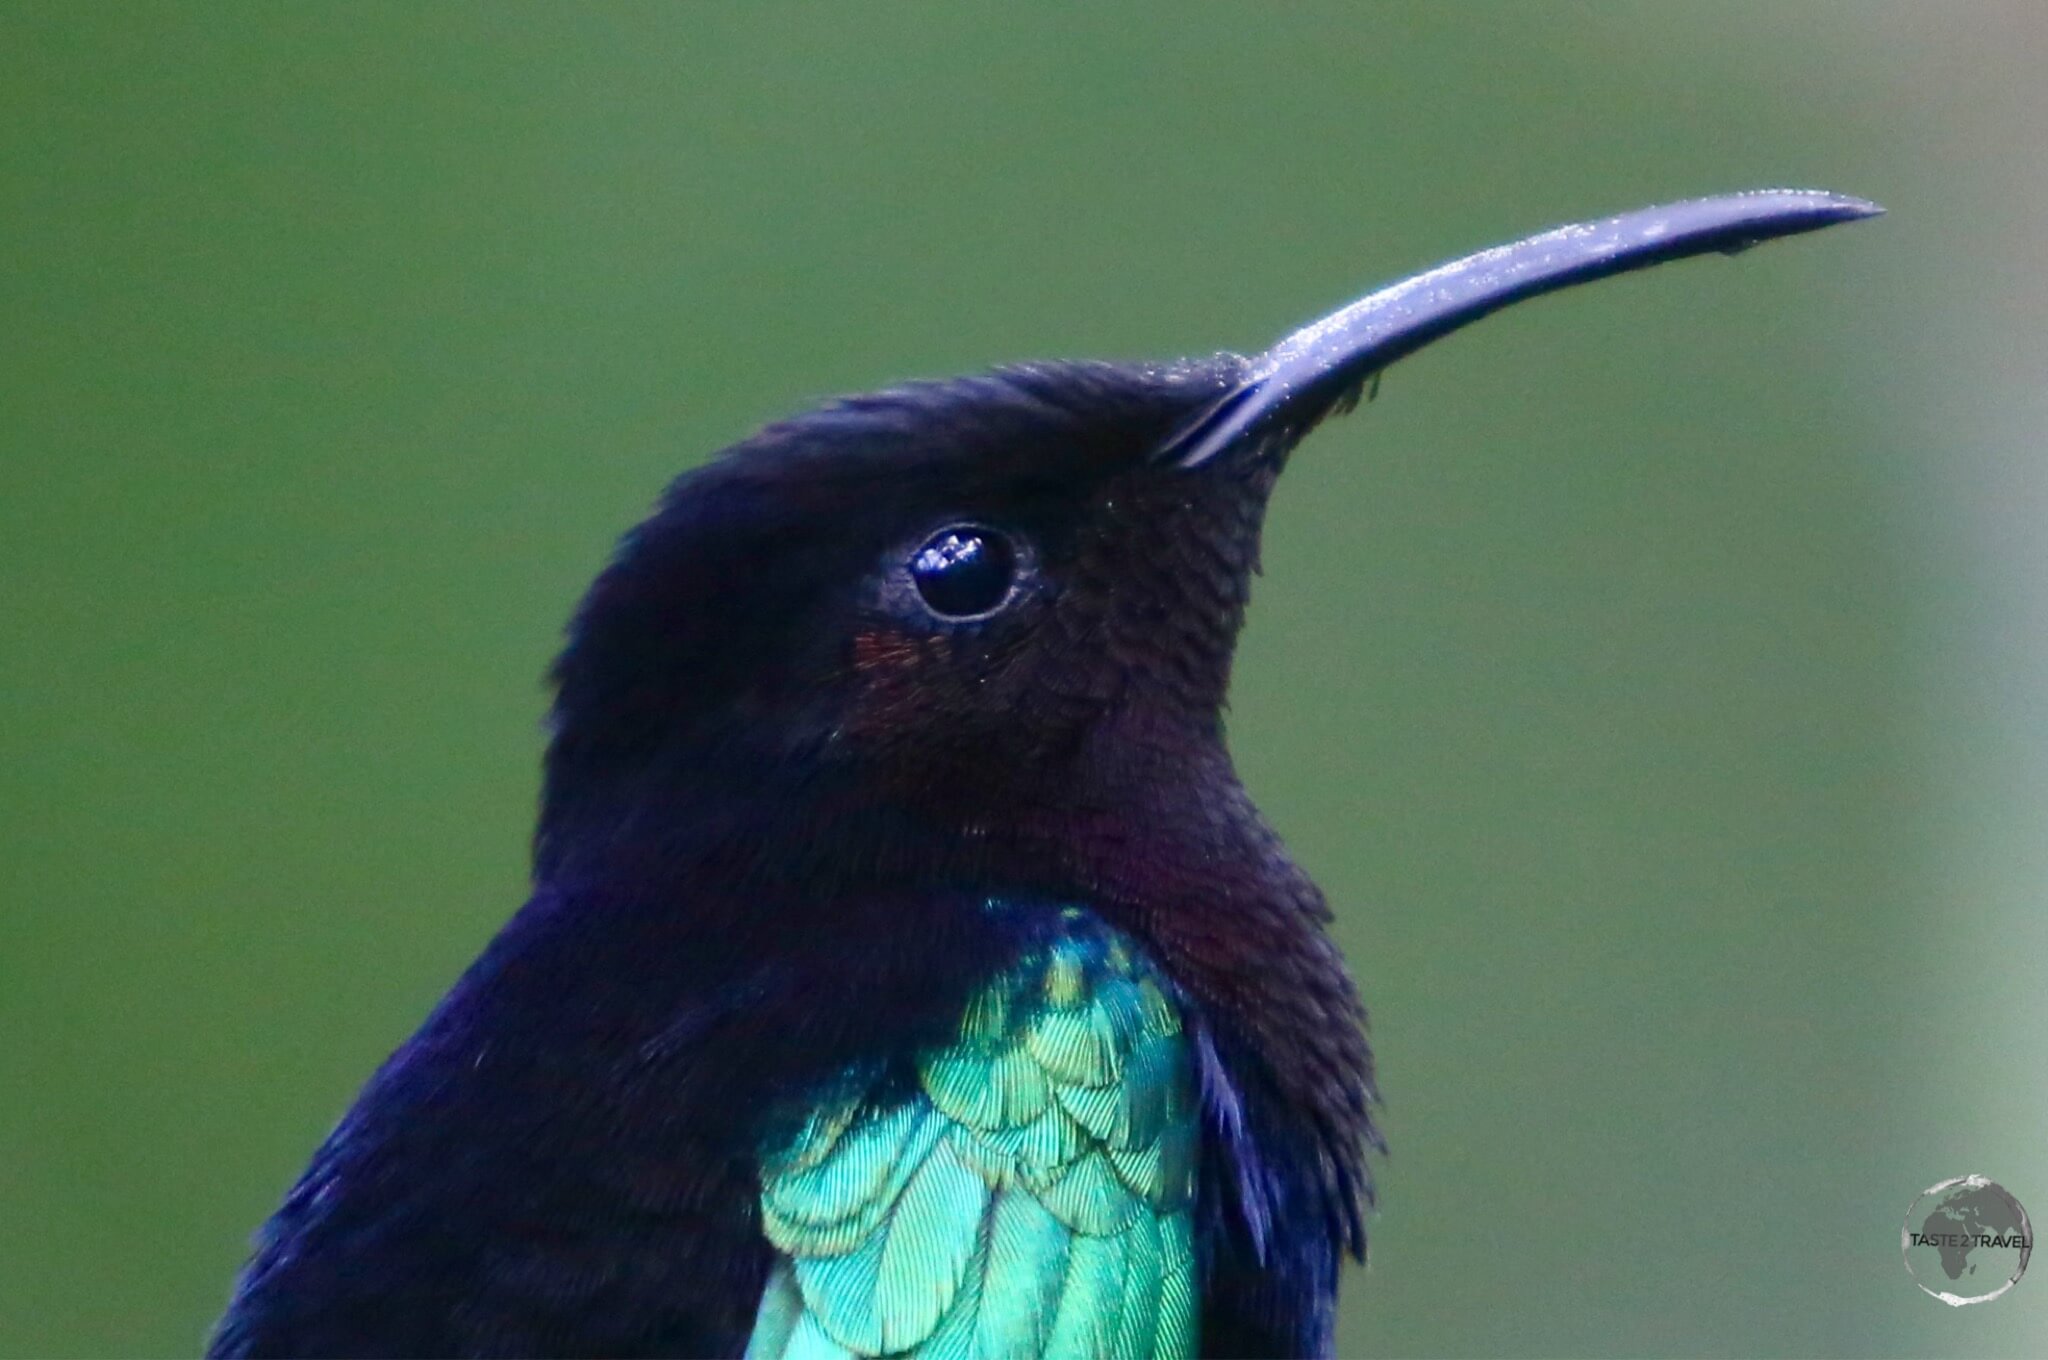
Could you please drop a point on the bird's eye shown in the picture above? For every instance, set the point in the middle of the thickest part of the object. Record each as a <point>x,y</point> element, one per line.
<point>964,571</point>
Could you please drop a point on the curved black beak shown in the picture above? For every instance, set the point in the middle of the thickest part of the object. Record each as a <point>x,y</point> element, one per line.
<point>1325,365</point>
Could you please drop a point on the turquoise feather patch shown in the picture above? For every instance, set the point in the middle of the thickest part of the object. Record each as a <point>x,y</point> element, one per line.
<point>1031,1199</point>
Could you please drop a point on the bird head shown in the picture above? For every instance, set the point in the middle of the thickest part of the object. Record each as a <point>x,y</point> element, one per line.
<point>954,608</point>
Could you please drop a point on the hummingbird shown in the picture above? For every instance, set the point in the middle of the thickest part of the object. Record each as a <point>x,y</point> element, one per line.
<point>906,970</point>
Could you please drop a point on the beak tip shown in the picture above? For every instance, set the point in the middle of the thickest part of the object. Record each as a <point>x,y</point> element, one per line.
<point>1853,206</point>
<point>1828,207</point>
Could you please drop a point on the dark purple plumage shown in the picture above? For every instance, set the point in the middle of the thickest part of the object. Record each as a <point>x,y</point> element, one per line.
<point>782,787</point>
<point>766,817</point>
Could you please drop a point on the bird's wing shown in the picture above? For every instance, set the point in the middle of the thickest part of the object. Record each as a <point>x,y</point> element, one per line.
<point>1029,1196</point>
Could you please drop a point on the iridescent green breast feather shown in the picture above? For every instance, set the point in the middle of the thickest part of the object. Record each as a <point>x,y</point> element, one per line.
<point>1031,1196</point>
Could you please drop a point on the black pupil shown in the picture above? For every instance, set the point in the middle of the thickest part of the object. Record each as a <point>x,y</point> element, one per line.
<point>962,572</point>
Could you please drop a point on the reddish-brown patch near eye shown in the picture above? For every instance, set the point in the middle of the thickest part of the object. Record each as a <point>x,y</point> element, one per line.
<point>884,650</point>
<point>900,677</point>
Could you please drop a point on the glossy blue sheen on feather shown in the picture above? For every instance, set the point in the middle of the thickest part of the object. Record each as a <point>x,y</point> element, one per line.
<point>1031,1197</point>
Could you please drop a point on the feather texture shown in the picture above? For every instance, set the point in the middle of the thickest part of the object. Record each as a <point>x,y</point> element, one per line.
<point>1030,1197</point>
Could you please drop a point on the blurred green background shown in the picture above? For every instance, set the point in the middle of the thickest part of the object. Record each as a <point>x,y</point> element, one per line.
<point>1654,676</point>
